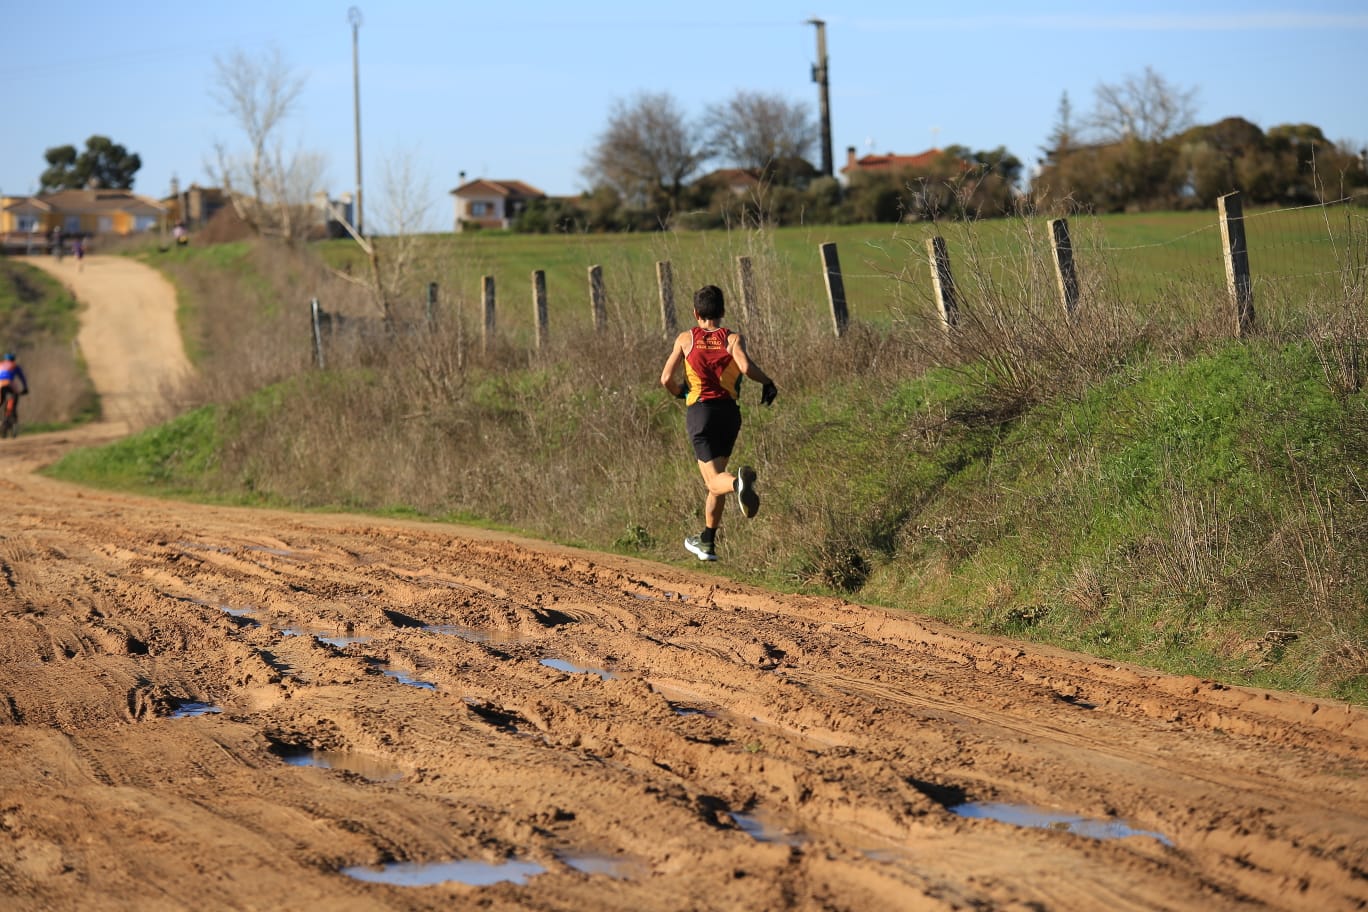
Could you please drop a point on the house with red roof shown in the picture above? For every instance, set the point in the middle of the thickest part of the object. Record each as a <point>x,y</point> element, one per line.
<point>484,203</point>
<point>889,162</point>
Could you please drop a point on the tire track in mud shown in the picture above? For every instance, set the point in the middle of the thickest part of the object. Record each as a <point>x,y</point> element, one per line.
<point>730,747</point>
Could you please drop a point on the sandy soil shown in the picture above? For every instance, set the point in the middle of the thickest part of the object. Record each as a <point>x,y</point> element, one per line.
<point>702,745</point>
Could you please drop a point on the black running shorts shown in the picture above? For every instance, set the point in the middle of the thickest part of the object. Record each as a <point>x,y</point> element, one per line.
<point>713,425</point>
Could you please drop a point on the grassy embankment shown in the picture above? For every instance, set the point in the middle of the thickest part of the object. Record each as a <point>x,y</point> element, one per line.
<point>38,322</point>
<point>1134,484</point>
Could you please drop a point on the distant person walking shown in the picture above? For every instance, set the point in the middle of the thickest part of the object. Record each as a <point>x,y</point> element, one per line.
<point>57,242</point>
<point>78,250</point>
<point>714,360</point>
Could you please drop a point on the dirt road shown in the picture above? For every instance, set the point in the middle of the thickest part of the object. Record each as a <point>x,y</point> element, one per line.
<point>224,708</point>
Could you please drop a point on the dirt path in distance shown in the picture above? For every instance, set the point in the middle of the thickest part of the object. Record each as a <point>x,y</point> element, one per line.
<point>596,732</point>
<point>129,337</point>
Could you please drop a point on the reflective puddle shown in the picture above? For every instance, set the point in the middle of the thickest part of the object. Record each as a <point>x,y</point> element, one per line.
<point>237,612</point>
<point>680,710</point>
<point>188,710</point>
<point>472,873</point>
<point>332,638</point>
<point>762,829</point>
<point>404,677</point>
<point>571,668</point>
<point>363,765</point>
<point>1027,816</point>
<point>618,867</point>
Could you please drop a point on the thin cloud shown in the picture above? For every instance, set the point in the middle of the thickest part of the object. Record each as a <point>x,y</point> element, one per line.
<point>1293,21</point>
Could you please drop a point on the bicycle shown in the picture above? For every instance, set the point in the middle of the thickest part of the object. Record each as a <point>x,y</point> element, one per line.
<point>9,420</point>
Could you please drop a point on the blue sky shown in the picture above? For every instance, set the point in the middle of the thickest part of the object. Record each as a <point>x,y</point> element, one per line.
<point>521,90</point>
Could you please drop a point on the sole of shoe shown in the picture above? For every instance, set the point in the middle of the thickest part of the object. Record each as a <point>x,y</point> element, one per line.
<point>745,492</point>
<point>699,552</point>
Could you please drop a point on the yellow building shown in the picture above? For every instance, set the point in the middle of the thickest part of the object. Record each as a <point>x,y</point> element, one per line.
<point>86,213</point>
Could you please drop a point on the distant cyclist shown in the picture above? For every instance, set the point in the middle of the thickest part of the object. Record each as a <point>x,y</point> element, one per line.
<point>10,374</point>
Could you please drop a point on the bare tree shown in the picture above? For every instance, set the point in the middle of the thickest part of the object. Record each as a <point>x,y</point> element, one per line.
<point>754,130</point>
<point>404,204</point>
<point>272,189</point>
<point>1146,108</point>
<point>647,152</point>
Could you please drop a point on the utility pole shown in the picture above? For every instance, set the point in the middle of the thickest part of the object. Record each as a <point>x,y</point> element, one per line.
<point>354,17</point>
<point>819,76</point>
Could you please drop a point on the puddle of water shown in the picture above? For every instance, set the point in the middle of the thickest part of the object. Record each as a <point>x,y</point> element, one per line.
<point>324,636</point>
<point>404,677</point>
<point>1027,816</point>
<point>369,767</point>
<point>763,830</point>
<point>237,612</point>
<point>618,867</point>
<point>691,711</point>
<point>571,668</point>
<point>472,873</point>
<point>189,710</point>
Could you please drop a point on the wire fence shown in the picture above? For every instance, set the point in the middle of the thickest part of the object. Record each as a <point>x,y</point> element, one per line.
<point>1166,264</point>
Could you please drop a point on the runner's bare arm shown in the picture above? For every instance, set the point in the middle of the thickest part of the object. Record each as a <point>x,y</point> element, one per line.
<point>667,373</point>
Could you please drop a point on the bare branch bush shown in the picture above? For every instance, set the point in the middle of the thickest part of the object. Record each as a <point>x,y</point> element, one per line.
<point>754,129</point>
<point>1143,107</point>
<point>272,189</point>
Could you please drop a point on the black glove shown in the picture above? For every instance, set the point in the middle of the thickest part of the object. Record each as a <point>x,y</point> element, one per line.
<point>768,392</point>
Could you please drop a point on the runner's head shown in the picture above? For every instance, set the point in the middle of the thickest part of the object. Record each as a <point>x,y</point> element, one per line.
<point>10,356</point>
<point>709,304</point>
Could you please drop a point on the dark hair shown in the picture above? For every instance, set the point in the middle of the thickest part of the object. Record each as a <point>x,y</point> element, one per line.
<point>709,304</point>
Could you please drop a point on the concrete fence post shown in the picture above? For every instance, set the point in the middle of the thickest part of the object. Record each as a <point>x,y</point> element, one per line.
<point>598,298</point>
<point>1065,272</point>
<point>943,283</point>
<point>835,286</point>
<point>1236,255</point>
<point>665,279</point>
<point>317,319</point>
<point>539,307</point>
<point>487,295</point>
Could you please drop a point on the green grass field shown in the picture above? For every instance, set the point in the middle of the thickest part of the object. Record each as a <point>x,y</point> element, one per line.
<point>1137,258</point>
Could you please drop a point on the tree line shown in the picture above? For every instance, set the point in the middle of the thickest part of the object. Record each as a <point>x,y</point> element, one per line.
<point>1138,149</point>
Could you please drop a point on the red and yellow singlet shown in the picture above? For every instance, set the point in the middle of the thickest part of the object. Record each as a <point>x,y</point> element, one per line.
<point>710,368</point>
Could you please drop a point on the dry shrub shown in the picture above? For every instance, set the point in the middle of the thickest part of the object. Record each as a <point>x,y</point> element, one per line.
<point>61,391</point>
<point>1087,593</point>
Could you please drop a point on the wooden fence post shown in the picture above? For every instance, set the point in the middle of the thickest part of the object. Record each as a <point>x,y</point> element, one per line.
<point>745,280</point>
<point>487,294</point>
<point>539,306</point>
<point>665,279</point>
<point>431,305</point>
<point>317,333</point>
<point>598,298</point>
<point>1237,261</point>
<point>1064,266</point>
<point>835,286</point>
<point>943,282</point>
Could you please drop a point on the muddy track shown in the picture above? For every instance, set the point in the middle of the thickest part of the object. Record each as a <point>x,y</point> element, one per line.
<point>626,735</point>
